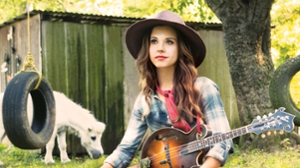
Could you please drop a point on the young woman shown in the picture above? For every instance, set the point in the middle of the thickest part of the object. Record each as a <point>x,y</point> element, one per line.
<point>167,53</point>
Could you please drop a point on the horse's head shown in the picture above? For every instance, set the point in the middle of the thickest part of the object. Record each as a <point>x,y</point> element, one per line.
<point>91,139</point>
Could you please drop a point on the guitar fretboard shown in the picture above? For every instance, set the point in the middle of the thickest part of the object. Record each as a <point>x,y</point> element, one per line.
<point>210,141</point>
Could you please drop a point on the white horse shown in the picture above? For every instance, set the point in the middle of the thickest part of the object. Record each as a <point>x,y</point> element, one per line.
<point>79,121</point>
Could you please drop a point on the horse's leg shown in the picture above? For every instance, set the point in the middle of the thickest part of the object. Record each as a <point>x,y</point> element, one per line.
<point>62,145</point>
<point>2,135</point>
<point>49,148</point>
<point>4,140</point>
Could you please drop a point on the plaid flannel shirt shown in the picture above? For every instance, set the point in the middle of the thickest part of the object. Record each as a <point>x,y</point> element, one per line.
<point>212,108</point>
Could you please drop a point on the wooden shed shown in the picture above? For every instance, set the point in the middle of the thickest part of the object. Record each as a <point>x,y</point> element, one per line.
<point>85,57</point>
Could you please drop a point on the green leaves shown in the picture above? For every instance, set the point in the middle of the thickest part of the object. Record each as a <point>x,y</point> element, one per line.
<point>286,34</point>
<point>190,10</point>
<point>284,14</point>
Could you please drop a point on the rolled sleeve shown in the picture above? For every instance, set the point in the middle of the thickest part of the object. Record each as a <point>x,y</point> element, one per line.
<point>220,151</point>
<point>215,117</point>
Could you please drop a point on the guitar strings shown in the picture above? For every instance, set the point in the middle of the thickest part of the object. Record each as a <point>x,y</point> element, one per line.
<point>172,149</point>
<point>178,148</point>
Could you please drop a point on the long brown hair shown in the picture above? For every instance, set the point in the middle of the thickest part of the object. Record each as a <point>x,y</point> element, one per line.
<point>186,96</point>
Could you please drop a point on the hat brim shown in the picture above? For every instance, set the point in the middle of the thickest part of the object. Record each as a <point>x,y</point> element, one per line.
<point>137,30</point>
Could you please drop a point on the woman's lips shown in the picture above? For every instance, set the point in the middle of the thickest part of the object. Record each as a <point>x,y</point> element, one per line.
<point>160,57</point>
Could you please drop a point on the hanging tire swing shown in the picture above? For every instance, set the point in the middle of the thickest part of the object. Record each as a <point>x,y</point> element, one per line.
<point>19,131</point>
<point>279,89</point>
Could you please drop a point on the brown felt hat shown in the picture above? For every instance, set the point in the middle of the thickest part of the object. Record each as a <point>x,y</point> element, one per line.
<point>136,31</point>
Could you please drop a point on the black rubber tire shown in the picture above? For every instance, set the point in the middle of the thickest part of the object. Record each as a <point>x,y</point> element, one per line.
<point>279,89</point>
<point>14,110</point>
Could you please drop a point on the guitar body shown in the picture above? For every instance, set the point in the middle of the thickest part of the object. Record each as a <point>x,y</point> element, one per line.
<point>163,148</point>
<point>173,148</point>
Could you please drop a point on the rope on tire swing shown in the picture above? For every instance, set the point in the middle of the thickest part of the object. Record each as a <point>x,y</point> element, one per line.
<point>29,60</point>
<point>36,133</point>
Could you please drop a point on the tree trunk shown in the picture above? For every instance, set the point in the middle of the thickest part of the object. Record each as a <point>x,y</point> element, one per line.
<point>246,27</point>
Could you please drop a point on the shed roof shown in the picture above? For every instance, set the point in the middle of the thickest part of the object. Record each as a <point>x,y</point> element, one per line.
<point>97,19</point>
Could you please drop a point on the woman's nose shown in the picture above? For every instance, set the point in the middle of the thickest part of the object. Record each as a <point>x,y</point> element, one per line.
<point>160,47</point>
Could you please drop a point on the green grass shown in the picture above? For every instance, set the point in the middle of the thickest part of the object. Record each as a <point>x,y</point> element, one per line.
<point>18,158</point>
<point>287,158</point>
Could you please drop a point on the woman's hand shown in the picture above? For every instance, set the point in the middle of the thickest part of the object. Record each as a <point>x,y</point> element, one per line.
<point>106,165</point>
<point>211,162</point>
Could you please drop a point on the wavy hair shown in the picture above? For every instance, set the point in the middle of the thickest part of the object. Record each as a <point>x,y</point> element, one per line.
<point>187,97</point>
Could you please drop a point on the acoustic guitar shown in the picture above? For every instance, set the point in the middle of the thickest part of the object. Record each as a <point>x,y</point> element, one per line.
<point>173,148</point>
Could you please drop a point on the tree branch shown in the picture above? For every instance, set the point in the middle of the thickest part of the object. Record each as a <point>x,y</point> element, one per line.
<point>218,7</point>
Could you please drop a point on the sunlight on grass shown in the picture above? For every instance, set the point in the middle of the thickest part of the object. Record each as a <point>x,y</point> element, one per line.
<point>295,89</point>
<point>18,158</point>
<point>288,158</point>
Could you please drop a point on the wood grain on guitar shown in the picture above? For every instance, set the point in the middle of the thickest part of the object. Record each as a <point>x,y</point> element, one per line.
<point>173,148</point>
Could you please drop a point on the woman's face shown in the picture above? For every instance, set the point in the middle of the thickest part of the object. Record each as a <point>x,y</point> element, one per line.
<point>163,48</point>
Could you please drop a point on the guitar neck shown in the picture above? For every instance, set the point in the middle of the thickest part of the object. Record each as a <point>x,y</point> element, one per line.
<point>278,121</point>
<point>214,139</point>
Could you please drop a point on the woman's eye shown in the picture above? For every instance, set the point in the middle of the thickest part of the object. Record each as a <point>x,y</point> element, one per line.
<point>170,42</point>
<point>153,41</point>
